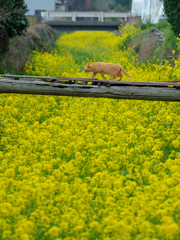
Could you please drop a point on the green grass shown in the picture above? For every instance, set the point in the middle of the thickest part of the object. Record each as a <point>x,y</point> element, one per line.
<point>163,48</point>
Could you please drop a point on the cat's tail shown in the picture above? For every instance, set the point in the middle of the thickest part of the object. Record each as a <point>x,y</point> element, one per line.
<point>122,69</point>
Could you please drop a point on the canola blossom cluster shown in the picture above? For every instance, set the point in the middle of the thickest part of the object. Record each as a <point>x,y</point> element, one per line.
<point>84,168</point>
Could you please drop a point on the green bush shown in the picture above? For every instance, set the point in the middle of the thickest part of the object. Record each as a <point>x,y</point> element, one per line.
<point>12,17</point>
<point>172,12</point>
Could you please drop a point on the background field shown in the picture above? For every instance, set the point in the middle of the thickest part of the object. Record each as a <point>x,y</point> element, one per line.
<point>85,168</point>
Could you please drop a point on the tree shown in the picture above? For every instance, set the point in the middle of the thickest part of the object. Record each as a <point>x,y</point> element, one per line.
<point>12,17</point>
<point>172,12</point>
<point>102,5</point>
<point>82,4</point>
<point>120,5</point>
<point>90,5</point>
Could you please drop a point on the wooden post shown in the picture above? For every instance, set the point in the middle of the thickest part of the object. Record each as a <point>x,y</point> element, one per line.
<point>154,93</point>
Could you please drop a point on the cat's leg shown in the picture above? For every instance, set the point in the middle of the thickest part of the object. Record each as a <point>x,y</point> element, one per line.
<point>113,77</point>
<point>94,74</point>
<point>102,74</point>
<point>120,75</point>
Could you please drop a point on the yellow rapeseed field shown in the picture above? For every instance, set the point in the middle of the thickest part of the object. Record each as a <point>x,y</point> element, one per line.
<point>85,168</point>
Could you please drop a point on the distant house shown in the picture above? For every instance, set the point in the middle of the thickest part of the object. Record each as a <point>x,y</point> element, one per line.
<point>39,5</point>
<point>61,5</point>
<point>148,9</point>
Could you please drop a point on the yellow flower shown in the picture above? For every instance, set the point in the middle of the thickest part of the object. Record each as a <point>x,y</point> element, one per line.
<point>176,143</point>
<point>169,118</point>
<point>95,225</point>
<point>10,173</point>
<point>24,236</point>
<point>54,231</point>
<point>96,167</point>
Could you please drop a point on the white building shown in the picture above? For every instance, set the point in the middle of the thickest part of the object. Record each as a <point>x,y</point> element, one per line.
<point>39,5</point>
<point>148,9</point>
<point>61,5</point>
<point>136,8</point>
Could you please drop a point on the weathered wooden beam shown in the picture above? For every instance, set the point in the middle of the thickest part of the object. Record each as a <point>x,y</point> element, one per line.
<point>154,93</point>
<point>17,77</point>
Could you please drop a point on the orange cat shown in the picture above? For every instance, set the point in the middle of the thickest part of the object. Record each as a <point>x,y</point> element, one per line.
<point>106,68</point>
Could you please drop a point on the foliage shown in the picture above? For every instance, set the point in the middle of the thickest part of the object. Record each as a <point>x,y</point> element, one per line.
<point>39,37</point>
<point>146,25</point>
<point>172,12</point>
<point>12,17</point>
<point>83,5</point>
<point>161,25</point>
<point>168,44</point>
<point>157,49</point>
<point>120,5</point>
<point>100,5</point>
<point>120,8</point>
<point>127,33</point>
<point>4,40</point>
<point>117,8</point>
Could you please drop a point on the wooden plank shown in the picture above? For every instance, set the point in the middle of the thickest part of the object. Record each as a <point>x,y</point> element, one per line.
<point>24,76</point>
<point>78,79</point>
<point>50,78</point>
<point>111,82</point>
<point>38,87</point>
<point>138,83</point>
<point>173,81</point>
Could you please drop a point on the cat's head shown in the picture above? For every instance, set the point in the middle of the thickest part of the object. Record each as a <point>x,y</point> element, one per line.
<point>87,68</point>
